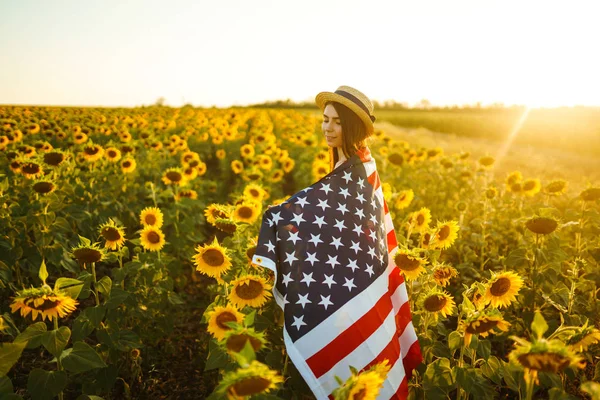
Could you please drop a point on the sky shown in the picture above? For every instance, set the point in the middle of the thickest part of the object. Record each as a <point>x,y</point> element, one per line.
<point>238,52</point>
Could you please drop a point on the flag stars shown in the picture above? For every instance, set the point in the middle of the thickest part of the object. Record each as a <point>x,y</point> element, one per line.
<point>302,202</point>
<point>287,279</point>
<point>277,217</point>
<point>344,192</point>
<point>323,204</point>
<point>329,281</point>
<point>342,208</point>
<point>326,188</point>
<point>357,229</point>
<point>373,235</point>
<point>303,300</point>
<point>361,183</point>
<point>298,322</point>
<point>340,224</point>
<point>332,260</point>
<point>372,252</point>
<point>373,218</point>
<point>294,237</point>
<point>369,270</point>
<point>312,257</point>
<point>315,239</point>
<point>352,264</point>
<point>347,176</point>
<point>360,198</point>
<point>298,218</point>
<point>308,279</point>
<point>319,221</point>
<point>270,246</point>
<point>355,247</point>
<point>325,302</point>
<point>360,213</point>
<point>291,257</point>
<point>337,242</point>
<point>349,284</point>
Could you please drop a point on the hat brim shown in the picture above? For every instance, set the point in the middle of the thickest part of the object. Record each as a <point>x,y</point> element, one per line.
<point>325,97</point>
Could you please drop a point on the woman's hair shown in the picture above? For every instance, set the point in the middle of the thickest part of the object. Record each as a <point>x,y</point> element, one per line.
<point>354,132</point>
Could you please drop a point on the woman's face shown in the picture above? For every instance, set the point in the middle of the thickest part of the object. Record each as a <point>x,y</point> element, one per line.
<point>332,127</point>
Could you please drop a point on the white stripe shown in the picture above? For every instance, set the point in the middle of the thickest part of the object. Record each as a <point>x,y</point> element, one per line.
<point>343,318</point>
<point>393,381</point>
<point>362,355</point>
<point>407,339</point>
<point>399,297</point>
<point>302,367</point>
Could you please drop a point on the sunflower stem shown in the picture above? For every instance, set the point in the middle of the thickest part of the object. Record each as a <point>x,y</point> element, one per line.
<point>482,261</point>
<point>529,386</point>
<point>285,364</point>
<point>534,270</point>
<point>96,295</point>
<point>58,362</point>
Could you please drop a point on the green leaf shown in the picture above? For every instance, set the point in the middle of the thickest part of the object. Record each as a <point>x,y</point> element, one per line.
<point>104,285</point>
<point>539,325</point>
<point>33,335</point>
<point>246,355</point>
<point>44,385</point>
<point>43,274</point>
<point>591,388</point>
<point>5,385</point>
<point>82,358</point>
<point>454,341</point>
<point>56,340</point>
<point>484,349</point>
<point>89,397</point>
<point>95,315</point>
<point>249,319</point>
<point>217,357</point>
<point>72,287</point>
<point>117,297</point>
<point>9,355</point>
<point>438,374</point>
<point>174,298</point>
<point>84,241</point>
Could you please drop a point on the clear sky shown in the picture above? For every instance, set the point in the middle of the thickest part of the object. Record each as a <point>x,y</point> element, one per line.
<point>235,52</point>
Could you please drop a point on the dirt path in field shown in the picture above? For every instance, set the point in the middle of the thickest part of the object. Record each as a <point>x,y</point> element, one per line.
<point>532,161</point>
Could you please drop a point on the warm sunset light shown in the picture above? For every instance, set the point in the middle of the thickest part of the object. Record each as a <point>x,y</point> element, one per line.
<point>534,53</point>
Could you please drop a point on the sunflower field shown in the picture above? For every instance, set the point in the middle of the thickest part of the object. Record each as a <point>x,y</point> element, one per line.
<point>126,237</point>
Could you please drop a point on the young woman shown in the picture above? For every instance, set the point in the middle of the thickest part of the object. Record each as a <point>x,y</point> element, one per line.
<point>331,247</point>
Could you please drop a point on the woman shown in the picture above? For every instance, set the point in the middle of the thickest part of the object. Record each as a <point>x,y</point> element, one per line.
<point>343,299</point>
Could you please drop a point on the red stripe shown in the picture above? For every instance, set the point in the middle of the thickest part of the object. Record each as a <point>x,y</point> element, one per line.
<point>392,240</point>
<point>347,341</point>
<point>412,358</point>
<point>374,180</point>
<point>403,317</point>
<point>385,207</point>
<point>402,392</point>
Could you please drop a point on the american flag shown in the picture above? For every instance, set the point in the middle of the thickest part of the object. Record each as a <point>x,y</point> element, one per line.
<point>331,247</point>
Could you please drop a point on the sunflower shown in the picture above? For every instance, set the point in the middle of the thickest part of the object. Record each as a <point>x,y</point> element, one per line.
<point>319,169</point>
<point>443,273</point>
<point>214,211</point>
<point>113,235</point>
<point>364,385</point>
<point>152,238</point>
<point>541,225</point>
<point>221,154</point>
<point>31,169</point>
<point>44,186</point>
<point>80,138</point>
<point>44,301</point>
<point>254,379</point>
<point>125,137</point>
<point>556,188</point>
<point>252,174</point>
<point>151,216</point>
<point>237,167</point>
<point>188,194</point>
<point>128,165</point>
<point>235,339</point>
<point>445,235</point>
<point>93,152</point>
<point>190,173</point>
<point>590,194</point>
<point>483,322</point>
<point>487,161</point>
<point>249,290</point>
<point>514,177</point>
<point>112,154</point>
<point>531,187</point>
<point>420,219</point>
<point>287,165</point>
<point>54,158</point>
<point>88,253</point>
<point>221,315</point>
<point>502,289</point>
<point>247,151</point>
<point>27,151</point>
<point>246,212</point>
<point>212,259</point>
<point>491,193</point>
<point>254,192</point>
<point>583,338</point>
<point>201,168</point>
<point>404,198</point>
<point>276,175</point>
<point>409,263</point>
<point>189,155</point>
<point>173,176</point>
<point>15,166</point>
<point>437,302</point>
<point>461,206</point>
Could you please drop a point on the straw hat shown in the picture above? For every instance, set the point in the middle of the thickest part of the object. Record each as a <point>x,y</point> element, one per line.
<point>354,100</point>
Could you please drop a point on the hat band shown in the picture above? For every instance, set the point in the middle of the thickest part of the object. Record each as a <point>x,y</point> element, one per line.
<point>356,101</point>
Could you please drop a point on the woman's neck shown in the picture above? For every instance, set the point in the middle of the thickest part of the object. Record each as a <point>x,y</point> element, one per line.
<point>341,156</point>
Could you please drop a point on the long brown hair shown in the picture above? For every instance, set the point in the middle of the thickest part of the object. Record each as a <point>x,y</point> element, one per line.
<point>354,132</point>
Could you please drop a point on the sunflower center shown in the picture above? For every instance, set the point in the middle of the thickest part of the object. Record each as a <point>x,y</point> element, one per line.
<point>111,234</point>
<point>402,197</point>
<point>87,255</point>
<point>250,252</point>
<point>528,185</point>
<point>420,219</point>
<point>407,263</point>
<point>112,154</point>
<point>442,273</point>
<point>30,168</point>
<point>213,257</point>
<point>254,193</point>
<point>396,159</point>
<point>224,317</point>
<point>174,176</point>
<point>43,187</point>
<point>127,164</point>
<point>485,325</point>
<point>249,290</point>
<point>245,212</point>
<point>91,151</point>
<point>361,394</point>
<point>47,305</point>
<point>254,176</point>
<point>153,237</point>
<point>150,219</point>
<point>547,362</point>
<point>542,226</point>
<point>500,287</point>
<point>444,232</point>
<point>237,342</point>
<point>250,385</point>
<point>435,303</point>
